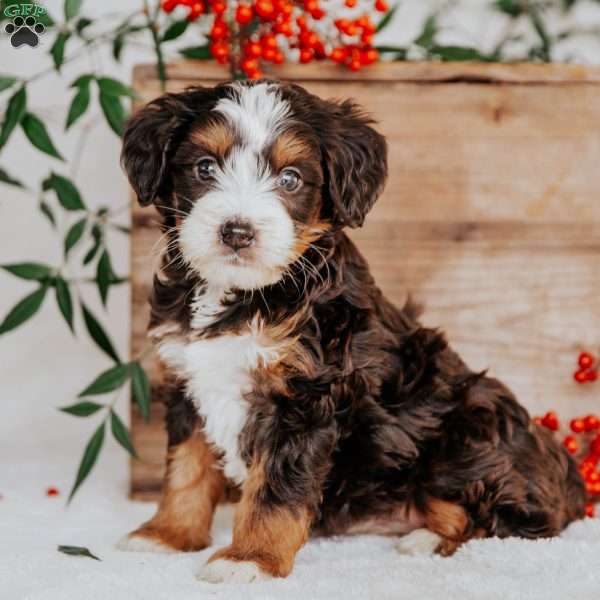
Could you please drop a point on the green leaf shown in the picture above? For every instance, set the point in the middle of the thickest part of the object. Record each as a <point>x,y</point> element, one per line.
<point>387,18</point>
<point>24,310</point>
<point>112,87</point>
<point>430,30</point>
<point>15,110</point>
<point>196,52</point>
<point>140,386</point>
<point>37,134</point>
<point>458,53</point>
<point>98,334</point>
<point>47,212</point>
<point>83,80</point>
<point>175,30</point>
<point>64,301</point>
<point>398,52</point>
<point>79,105</point>
<point>114,112</point>
<point>90,455</point>
<point>121,434</point>
<point>29,270</point>
<point>512,8</point>
<point>57,51</point>
<point>107,381</point>
<point>82,24</point>
<point>74,235</point>
<point>117,47</point>
<point>72,8</point>
<point>97,236</point>
<point>104,275</point>
<point>82,409</point>
<point>77,551</point>
<point>540,28</point>
<point>6,178</point>
<point>6,81</point>
<point>67,193</point>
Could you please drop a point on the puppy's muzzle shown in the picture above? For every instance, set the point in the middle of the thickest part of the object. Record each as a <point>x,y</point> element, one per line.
<point>237,235</point>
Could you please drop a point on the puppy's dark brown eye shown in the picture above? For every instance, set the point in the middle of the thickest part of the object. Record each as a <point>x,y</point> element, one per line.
<point>289,179</point>
<point>206,168</point>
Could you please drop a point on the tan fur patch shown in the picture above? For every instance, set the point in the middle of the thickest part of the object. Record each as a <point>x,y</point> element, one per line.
<point>193,485</point>
<point>288,149</point>
<point>217,138</point>
<point>268,536</point>
<point>448,520</point>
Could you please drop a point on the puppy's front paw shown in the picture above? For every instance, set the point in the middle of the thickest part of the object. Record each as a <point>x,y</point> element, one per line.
<point>420,542</point>
<point>135,542</point>
<point>224,570</point>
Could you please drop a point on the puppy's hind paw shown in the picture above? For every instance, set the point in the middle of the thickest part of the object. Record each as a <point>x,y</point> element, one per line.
<point>224,570</point>
<point>420,542</point>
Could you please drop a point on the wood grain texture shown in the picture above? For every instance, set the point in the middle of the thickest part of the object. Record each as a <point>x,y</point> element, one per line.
<point>491,218</point>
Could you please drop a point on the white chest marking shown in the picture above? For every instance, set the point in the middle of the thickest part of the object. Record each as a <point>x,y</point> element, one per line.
<point>218,374</point>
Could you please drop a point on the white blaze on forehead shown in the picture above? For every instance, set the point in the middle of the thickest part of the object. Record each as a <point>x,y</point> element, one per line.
<point>257,112</point>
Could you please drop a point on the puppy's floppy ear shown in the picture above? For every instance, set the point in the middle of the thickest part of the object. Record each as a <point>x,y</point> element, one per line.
<point>152,135</point>
<point>355,160</point>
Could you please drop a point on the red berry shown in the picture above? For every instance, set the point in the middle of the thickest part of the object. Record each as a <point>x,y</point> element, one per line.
<point>244,14</point>
<point>590,510</point>
<point>350,3</point>
<point>591,423</point>
<point>195,11</point>
<point>577,425</point>
<point>279,58</point>
<point>219,8</point>
<point>586,360</point>
<point>169,5</point>
<point>219,30</point>
<point>306,55</point>
<point>570,443</point>
<point>220,50</point>
<point>264,9</point>
<point>252,49</point>
<point>595,446</point>
<point>268,53</point>
<point>338,55</point>
<point>52,491</point>
<point>355,64</point>
<point>381,6</point>
<point>550,420</point>
<point>591,375</point>
<point>268,41</point>
<point>580,376</point>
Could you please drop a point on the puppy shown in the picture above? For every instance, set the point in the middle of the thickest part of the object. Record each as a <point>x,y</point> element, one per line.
<point>295,381</point>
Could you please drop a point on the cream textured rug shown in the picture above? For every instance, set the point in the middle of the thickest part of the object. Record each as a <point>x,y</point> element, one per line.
<point>32,525</point>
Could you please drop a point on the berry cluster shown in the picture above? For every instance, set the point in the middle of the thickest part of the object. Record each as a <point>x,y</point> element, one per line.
<point>247,32</point>
<point>585,445</point>
<point>588,368</point>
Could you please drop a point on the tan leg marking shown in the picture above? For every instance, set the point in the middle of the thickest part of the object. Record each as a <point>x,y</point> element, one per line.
<point>266,537</point>
<point>193,485</point>
<point>449,521</point>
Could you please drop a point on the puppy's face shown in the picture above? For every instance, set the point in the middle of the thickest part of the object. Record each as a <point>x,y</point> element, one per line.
<point>251,174</point>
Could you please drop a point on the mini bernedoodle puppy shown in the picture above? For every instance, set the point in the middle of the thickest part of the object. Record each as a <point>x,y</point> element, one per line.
<point>296,383</point>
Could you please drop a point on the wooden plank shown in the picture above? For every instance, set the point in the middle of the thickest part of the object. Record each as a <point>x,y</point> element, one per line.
<point>520,299</point>
<point>420,72</point>
<point>490,218</point>
<point>479,152</point>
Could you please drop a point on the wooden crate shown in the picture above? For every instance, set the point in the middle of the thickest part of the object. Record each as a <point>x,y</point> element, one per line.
<point>491,217</point>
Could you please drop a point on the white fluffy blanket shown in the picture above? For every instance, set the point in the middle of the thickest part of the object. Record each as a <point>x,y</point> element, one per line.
<point>367,567</point>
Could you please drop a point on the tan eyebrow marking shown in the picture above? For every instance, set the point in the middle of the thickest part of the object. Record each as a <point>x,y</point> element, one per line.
<point>216,137</point>
<point>289,148</point>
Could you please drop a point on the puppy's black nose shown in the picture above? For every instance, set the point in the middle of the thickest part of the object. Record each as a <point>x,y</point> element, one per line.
<point>237,234</point>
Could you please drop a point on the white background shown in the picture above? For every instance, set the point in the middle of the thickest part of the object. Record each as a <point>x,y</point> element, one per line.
<point>42,366</point>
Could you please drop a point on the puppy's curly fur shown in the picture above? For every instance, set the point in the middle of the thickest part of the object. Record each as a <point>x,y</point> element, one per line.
<point>354,417</point>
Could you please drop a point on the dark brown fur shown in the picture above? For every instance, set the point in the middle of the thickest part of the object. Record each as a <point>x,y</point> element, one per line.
<point>367,410</point>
